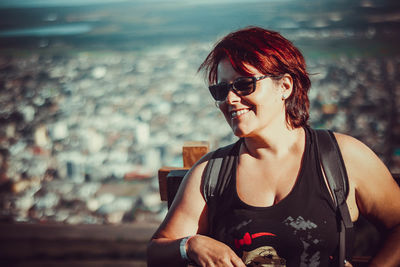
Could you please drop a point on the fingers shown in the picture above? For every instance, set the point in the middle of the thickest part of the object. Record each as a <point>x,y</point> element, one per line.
<point>237,262</point>
<point>221,261</point>
<point>347,264</point>
<point>209,252</point>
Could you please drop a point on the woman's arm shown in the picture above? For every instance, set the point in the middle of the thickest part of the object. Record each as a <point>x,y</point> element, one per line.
<point>188,217</point>
<point>377,196</point>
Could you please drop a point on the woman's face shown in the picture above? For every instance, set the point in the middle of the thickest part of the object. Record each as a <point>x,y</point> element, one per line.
<point>253,114</point>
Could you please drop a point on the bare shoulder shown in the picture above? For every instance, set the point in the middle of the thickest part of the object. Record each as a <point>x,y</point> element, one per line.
<point>377,194</point>
<point>194,176</point>
<point>360,159</point>
<point>355,150</point>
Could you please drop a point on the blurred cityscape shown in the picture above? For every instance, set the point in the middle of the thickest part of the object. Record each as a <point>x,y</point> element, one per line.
<point>85,124</point>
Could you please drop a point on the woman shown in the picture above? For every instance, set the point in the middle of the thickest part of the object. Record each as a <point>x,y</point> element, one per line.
<point>277,206</point>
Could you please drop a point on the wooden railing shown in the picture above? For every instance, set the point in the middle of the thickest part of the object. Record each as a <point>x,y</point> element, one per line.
<point>36,245</point>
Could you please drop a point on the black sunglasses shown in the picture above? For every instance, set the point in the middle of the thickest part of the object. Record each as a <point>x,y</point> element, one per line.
<point>241,86</point>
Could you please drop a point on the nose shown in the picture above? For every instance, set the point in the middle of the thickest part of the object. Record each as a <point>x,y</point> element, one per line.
<point>232,97</point>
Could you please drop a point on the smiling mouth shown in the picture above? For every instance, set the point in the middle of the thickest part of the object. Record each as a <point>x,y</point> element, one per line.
<point>237,113</point>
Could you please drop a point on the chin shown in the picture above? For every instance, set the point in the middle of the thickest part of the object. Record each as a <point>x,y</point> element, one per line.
<point>240,132</point>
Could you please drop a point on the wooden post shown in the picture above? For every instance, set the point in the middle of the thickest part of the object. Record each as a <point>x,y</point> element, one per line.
<point>191,152</point>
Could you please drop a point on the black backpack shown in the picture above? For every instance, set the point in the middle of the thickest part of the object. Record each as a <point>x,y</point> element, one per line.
<point>218,172</point>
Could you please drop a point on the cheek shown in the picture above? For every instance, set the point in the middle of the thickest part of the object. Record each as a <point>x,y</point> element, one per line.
<point>224,109</point>
<point>267,98</point>
<point>269,92</point>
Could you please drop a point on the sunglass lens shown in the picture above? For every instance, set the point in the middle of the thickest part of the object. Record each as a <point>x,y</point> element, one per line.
<point>219,91</point>
<point>244,86</point>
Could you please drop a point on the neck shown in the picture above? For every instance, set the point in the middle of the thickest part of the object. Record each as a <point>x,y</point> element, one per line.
<point>275,143</point>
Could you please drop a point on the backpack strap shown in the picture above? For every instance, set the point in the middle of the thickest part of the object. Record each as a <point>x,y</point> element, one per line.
<point>336,175</point>
<point>216,178</point>
<point>218,171</point>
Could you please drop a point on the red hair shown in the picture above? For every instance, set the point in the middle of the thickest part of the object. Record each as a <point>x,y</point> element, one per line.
<point>270,53</point>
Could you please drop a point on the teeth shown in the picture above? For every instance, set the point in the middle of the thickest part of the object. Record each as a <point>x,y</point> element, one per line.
<point>239,112</point>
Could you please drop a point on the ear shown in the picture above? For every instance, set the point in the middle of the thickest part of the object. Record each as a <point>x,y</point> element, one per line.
<point>286,84</point>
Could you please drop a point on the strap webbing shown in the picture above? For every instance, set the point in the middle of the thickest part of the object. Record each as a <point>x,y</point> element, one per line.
<point>335,172</point>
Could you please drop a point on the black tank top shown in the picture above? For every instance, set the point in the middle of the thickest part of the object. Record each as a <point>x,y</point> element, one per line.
<point>300,230</point>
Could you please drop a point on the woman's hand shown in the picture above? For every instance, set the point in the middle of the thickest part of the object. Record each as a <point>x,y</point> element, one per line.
<point>206,251</point>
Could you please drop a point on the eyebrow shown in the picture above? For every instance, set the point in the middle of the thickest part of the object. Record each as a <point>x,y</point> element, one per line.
<point>224,81</point>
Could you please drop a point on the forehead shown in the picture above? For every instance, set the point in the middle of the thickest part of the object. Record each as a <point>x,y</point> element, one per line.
<point>226,72</point>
